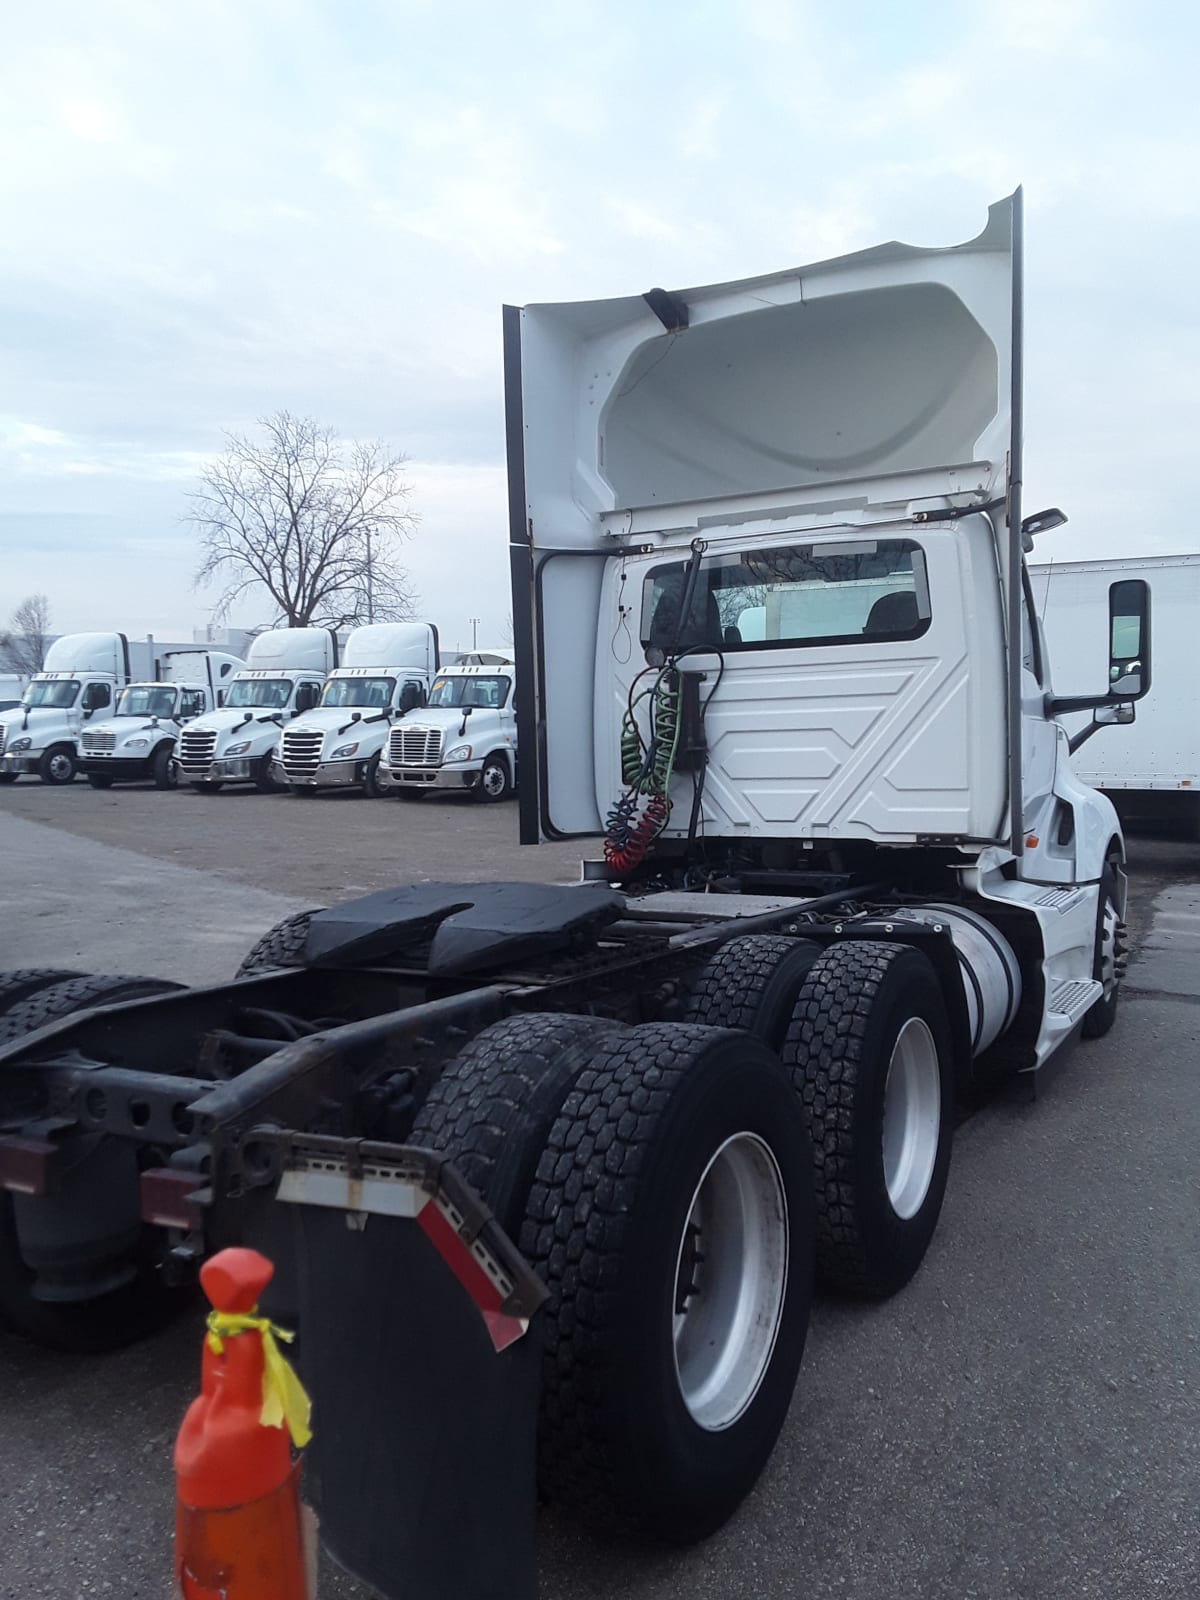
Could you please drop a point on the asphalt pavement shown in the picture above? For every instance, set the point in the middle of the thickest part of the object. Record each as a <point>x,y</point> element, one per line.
<point>1021,1423</point>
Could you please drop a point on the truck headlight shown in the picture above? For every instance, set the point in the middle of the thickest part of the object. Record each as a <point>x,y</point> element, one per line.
<point>461,752</point>
<point>20,744</point>
<point>238,749</point>
<point>136,744</point>
<point>342,751</point>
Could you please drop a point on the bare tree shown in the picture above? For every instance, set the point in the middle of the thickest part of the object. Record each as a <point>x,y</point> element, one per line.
<point>314,520</point>
<point>23,644</point>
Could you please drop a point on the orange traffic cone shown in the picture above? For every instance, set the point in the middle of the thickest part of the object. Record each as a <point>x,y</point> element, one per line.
<point>238,1525</point>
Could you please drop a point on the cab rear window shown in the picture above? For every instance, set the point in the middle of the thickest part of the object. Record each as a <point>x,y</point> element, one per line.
<point>865,592</point>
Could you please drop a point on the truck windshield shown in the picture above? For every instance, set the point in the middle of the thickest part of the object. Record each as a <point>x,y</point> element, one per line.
<point>373,694</point>
<point>146,700</point>
<point>487,692</point>
<point>272,694</point>
<point>61,694</point>
<point>865,591</point>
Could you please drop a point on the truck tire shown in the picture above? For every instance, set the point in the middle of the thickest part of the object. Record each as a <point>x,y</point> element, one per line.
<point>100,780</point>
<point>752,983</point>
<point>494,780</point>
<point>263,781</point>
<point>660,1403</point>
<point>371,786</point>
<point>1110,954</point>
<point>75,994</point>
<point>58,765</point>
<point>164,769</point>
<point>492,1107</point>
<point>208,786</point>
<point>281,946</point>
<point>127,1313</point>
<point>25,981</point>
<point>870,1054</point>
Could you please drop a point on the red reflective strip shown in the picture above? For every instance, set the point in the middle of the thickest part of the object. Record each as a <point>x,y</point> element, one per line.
<point>456,1253</point>
<point>25,1165</point>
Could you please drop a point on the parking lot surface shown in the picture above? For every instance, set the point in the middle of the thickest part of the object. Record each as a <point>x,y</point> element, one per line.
<point>1022,1422</point>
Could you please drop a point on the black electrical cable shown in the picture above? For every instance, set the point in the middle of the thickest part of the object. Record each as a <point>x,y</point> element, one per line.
<point>698,777</point>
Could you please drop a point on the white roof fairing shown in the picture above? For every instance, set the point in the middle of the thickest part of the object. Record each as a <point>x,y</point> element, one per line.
<point>890,361</point>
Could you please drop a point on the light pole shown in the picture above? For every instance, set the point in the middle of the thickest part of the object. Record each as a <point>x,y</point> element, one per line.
<point>370,580</point>
<point>474,621</point>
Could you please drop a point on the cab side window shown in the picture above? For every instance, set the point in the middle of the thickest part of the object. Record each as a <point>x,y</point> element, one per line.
<point>191,703</point>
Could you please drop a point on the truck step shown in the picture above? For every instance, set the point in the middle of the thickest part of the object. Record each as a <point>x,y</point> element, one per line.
<point>1073,997</point>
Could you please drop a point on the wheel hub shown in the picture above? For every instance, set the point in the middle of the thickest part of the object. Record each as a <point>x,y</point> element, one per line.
<point>730,1281</point>
<point>912,1114</point>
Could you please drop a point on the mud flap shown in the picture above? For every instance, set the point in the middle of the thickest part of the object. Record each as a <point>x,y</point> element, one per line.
<point>421,1349</point>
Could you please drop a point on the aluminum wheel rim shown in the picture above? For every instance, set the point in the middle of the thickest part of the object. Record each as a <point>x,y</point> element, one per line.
<point>912,1117</point>
<point>730,1282</point>
<point>493,780</point>
<point>60,766</point>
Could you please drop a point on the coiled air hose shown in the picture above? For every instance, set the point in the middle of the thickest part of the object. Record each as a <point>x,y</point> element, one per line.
<point>646,771</point>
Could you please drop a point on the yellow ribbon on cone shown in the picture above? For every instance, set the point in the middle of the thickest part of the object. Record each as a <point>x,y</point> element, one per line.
<point>284,1397</point>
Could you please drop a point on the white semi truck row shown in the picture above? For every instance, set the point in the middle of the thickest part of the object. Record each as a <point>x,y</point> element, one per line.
<point>384,718</point>
<point>87,684</point>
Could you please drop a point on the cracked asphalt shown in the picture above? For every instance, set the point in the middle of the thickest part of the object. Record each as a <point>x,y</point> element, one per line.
<point>1021,1423</point>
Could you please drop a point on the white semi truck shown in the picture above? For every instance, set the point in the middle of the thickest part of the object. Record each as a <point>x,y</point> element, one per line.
<point>137,743</point>
<point>78,682</point>
<point>1152,768</point>
<point>386,671</point>
<point>463,738</point>
<point>283,677</point>
<point>777,654</point>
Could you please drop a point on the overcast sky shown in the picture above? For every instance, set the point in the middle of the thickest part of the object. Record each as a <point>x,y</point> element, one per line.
<point>211,210</point>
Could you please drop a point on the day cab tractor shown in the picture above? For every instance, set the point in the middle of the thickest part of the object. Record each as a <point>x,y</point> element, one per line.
<point>777,669</point>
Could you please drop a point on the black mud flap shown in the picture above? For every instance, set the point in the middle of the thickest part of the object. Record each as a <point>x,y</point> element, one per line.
<point>421,1349</point>
<point>472,926</point>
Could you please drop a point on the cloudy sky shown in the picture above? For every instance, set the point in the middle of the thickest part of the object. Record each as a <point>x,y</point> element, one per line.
<point>214,208</point>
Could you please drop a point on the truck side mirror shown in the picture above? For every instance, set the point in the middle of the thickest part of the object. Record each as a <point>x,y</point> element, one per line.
<point>1128,639</point>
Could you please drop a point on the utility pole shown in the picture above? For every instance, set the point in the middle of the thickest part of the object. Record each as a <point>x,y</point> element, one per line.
<point>474,621</point>
<point>370,580</point>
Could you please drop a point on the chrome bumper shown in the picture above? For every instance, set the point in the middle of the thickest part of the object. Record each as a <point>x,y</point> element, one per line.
<point>455,777</point>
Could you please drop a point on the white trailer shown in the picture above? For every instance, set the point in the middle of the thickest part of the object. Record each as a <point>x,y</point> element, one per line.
<point>1151,768</point>
<point>386,671</point>
<point>284,674</point>
<point>464,738</point>
<point>80,678</point>
<point>137,743</point>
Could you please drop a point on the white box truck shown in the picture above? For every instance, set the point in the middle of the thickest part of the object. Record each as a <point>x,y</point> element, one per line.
<point>777,652</point>
<point>386,671</point>
<point>12,688</point>
<point>1150,769</point>
<point>137,743</point>
<point>79,680</point>
<point>463,738</point>
<point>283,677</point>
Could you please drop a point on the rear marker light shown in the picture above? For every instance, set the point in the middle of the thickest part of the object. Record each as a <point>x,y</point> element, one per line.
<point>169,1199</point>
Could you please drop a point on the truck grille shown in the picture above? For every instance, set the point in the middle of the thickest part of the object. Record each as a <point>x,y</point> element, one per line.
<point>99,741</point>
<point>415,747</point>
<point>197,748</point>
<point>301,752</point>
<point>3,738</point>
